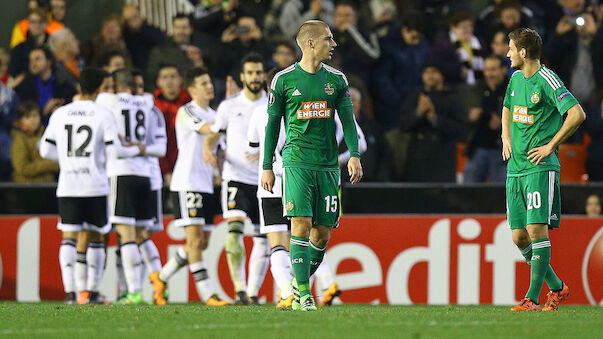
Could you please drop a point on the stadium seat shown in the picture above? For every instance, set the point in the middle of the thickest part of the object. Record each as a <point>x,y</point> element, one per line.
<point>573,159</point>
<point>460,161</point>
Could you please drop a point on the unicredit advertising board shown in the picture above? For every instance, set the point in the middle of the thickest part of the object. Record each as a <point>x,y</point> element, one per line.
<point>388,259</point>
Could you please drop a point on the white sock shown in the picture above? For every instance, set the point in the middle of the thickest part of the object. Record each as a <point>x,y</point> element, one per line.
<point>67,256</point>
<point>323,275</point>
<point>95,258</point>
<point>236,255</point>
<point>121,277</point>
<point>150,255</point>
<point>81,271</point>
<point>204,285</point>
<point>258,265</point>
<point>173,265</point>
<point>130,258</point>
<point>280,267</point>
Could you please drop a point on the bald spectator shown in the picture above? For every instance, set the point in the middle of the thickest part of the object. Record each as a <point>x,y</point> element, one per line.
<point>296,12</point>
<point>177,49</point>
<point>140,38</point>
<point>36,37</point>
<point>46,85</point>
<point>110,38</point>
<point>169,96</point>
<point>66,49</point>
<point>20,31</point>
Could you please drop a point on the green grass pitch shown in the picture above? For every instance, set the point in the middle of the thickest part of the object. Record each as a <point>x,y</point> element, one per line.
<point>56,320</point>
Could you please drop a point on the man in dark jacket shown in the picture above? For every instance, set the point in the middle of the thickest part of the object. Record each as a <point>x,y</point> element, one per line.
<point>47,85</point>
<point>139,36</point>
<point>398,71</point>
<point>36,37</point>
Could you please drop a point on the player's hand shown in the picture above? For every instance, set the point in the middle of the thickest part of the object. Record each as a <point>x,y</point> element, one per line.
<point>536,154</point>
<point>268,180</point>
<point>506,149</point>
<point>210,157</point>
<point>354,170</point>
<point>142,148</point>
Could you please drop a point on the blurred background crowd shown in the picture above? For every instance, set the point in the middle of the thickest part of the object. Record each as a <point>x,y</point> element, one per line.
<point>427,77</point>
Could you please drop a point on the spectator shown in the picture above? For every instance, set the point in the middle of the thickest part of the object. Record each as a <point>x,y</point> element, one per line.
<point>398,73</point>
<point>377,15</point>
<point>8,114</point>
<point>284,54</point>
<point>140,38</point>
<point>594,155</point>
<point>593,206</point>
<point>459,51</point>
<point>169,96</point>
<point>110,38</point>
<point>4,61</point>
<point>575,52</point>
<point>237,41</point>
<point>138,82</point>
<point>499,46</point>
<point>484,143</point>
<point>296,12</point>
<point>271,26</point>
<point>46,85</point>
<point>36,37</point>
<point>373,167</point>
<point>556,11</point>
<point>58,9</point>
<point>504,15</point>
<point>431,123</point>
<point>21,29</point>
<point>111,61</point>
<point>212,17</point>
<point>66,49</point>
<point>28,166</point>
<point>358,50</point>
<point>176,50</point>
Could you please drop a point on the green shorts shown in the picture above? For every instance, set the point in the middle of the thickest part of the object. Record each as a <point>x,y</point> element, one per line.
<point>310,193</point>
<point>534,199</point>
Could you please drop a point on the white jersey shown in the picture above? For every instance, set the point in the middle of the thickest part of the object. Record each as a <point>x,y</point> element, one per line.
<point>158,137</point>
<point>233,116</point>
<point>131,113</point>
<point>257,139</point>
<point>345,156</point>
<point>191,173</point>
<point>76,136</point>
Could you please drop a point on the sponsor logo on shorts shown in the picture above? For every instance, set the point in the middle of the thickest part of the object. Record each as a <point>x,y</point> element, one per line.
<point>562,95</point>
<point>297,260</point>
<point>232,204</point>
<point>554,217</point>
<point>289,205</point>
<point>313,110</point>
<point>192,212</point>
<point>329,89</point>
<point>520,114</point>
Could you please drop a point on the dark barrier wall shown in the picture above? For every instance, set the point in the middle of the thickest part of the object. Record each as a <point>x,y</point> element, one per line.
<point>366,198</point>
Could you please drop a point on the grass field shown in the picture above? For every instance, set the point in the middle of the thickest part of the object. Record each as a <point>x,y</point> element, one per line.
<point>54,320</point>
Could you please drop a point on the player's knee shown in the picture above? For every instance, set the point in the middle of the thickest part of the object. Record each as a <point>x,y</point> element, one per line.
<point>521,239</point>
<point>195,244</point>
<point>95,237</point>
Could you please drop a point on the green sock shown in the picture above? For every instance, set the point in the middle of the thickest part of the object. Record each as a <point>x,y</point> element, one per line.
<point>541,257</point>
<point>300,263</point>
<point>551,279</point>
<point>316,255</point>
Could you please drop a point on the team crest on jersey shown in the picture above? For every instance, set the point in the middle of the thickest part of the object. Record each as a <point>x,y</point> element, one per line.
<point>329,89</point>
<point>289,205</point>
<point>314,109</point>
<point>535,98</point>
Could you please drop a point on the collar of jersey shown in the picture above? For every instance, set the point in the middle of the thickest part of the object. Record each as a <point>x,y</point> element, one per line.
<point>322,67</point>
<point>538,70</point>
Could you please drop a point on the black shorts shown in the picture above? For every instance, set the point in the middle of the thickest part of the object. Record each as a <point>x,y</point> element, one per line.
<point>271,216</point>
<point>131,201</point>
<point>240,200</point>
<point>86,213</point>
<point>156,208</point>
<point>194,208</point>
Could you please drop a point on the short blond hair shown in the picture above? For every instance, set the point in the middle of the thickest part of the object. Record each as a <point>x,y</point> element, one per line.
<point>309,30</point>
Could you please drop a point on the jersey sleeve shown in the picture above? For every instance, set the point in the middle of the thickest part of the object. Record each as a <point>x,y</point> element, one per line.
<point>556,92</point>
<point>277,97</point>
<point>157,140</point>
<point>189,119</point>
<point>48,144</point>
<point>221,121</point>
<point>343,95</point>
<point>113,145</point>
<point>253,135</point>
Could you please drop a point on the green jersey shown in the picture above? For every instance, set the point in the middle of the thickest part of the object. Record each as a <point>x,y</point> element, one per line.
<point>537,105</point>
<point>308,103</point>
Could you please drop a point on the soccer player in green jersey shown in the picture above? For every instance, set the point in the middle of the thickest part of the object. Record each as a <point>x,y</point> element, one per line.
<point>532,129</point>
<point>307,95</point>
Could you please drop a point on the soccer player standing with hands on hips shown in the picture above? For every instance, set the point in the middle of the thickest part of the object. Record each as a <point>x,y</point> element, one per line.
<point>306,95</point>
<point>532,129</point>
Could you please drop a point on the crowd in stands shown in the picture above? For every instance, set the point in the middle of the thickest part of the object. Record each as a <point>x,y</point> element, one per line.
<point>425,75</point>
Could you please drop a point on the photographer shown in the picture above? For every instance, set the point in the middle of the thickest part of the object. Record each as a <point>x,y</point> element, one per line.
<point>575,51</point>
